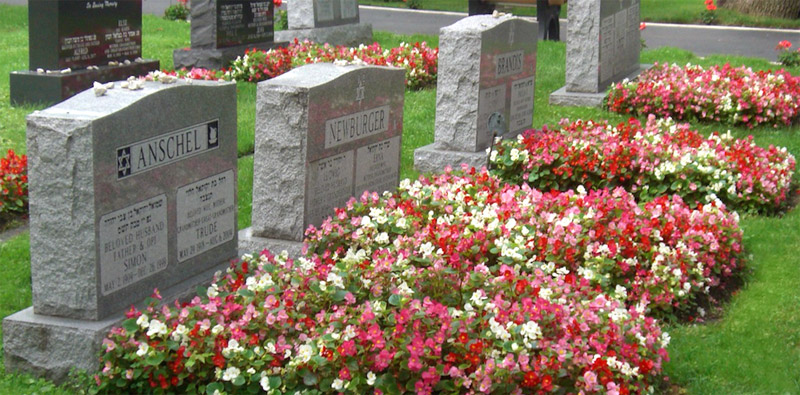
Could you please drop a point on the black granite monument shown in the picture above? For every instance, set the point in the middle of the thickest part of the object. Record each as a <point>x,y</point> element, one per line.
<point>73,43</point>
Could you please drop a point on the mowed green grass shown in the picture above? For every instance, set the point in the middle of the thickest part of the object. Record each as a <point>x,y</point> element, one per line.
<point>754,348</point>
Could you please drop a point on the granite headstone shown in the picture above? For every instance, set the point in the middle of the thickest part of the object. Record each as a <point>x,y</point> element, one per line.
<point>335,22</point>
<point>73,35</point>
<point>129,192</point>
<point>324,133</point>
<point>223,29</point>
<point>603,46</point>
<point>485,89</point>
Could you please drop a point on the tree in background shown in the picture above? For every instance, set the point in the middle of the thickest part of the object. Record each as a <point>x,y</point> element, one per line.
<point>789,9</point>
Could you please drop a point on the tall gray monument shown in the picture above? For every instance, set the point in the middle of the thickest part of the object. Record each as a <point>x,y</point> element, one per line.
<point>324,134</point>
<point>485,89</point>
<point>603,45</point>
<point>335,22</point>
<point>129,192</point>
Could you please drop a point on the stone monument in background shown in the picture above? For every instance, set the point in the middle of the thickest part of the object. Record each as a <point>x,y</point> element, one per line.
<point>73,43</point>
<point>324,133</point>
<point>335,22</point>
<point>130,191</point>
<point>603,46</point>
<point>485,89</point>
<point>222,30</point>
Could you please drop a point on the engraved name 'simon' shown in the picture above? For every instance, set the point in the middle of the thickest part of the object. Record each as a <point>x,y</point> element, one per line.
<point>356,126</point>
<point>509,63</point>
<point>167,148</point>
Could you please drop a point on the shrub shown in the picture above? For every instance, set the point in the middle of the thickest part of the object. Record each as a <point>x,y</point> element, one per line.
<point>787,57</point>
<point>177,12</point>
<point>660,158</point>
<point>13,183</point>
<point>732,95</point>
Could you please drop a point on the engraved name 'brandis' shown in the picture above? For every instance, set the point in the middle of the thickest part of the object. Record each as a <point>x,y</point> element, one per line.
<point>358,125</point>
<point>167,148</point>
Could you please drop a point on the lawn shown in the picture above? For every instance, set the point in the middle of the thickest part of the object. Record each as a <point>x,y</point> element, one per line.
<point>673,11</point>
<point>754,347</point>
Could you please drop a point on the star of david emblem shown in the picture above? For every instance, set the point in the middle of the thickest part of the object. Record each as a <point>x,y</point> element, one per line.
<point>213,134</point>
<point>123,162</point>
<point>360,91</point>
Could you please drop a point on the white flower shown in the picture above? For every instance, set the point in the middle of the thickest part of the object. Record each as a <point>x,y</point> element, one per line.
<point>335,279</point>
<point>371,378</point>
<point>157,328</point>
<point>264,382</point>
<point>217,329</point>
<point>337,384</point>
<point>143,348</point>
<point>305,353</point>
<point>143,321</point>
<point>212,291</point>
<point>230,374</point>
<point>531,330</point>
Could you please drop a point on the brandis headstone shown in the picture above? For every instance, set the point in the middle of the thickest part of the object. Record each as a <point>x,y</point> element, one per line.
<point>129,192</point>
<point>324,133</point>
<point>223,29</point>
<point>486,85</point>
<point>74,35</point>
<point>603,46</point>
<point>326,21</point>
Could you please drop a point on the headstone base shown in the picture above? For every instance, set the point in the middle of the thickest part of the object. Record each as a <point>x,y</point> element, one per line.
<point>562,97</point>
<point>432,159</point>
<point>215,59</point>
<point>47,346</point>
<point>30,87</point>
<point>350,35</point>
<point>251,244</point>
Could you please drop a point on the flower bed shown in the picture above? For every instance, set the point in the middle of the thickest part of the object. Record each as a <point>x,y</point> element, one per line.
<point>732,95</point>
<point>661,157</point>
<point>458,284</point>
<point>419,61</point>
<point>13,183</point>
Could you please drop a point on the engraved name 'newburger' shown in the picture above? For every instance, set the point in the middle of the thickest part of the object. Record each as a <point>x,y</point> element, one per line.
<point>167,148</point>
<point>356,126</point>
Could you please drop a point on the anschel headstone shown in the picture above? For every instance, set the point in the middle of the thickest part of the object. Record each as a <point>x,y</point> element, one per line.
<point>324,133</point>
<point>335,22</point>
<point>73,36</point>
<point>129,192</point>
<point>603,45</point>
<point>485,89</point>
<point>223,29</point>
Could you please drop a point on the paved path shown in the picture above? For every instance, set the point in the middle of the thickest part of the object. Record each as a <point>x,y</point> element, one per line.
<point>702,40</point>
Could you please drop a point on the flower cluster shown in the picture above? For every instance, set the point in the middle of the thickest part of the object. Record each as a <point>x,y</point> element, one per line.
<point>786,56</point>
<point>419,60</point>
<point>708,15</point>
<point>13,183</point>
<point>660,158</point>
<point>388,300</point>
<point>733,95</point>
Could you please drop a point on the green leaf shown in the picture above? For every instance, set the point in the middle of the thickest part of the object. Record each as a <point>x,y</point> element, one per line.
<point>213,387</point>
<point>238,381</point>
<point>339,295</point>
<point>246,293</point>
<point>130,325</point>
<point>274,382</point>
<point>310,379</point>
<point>395,300</point>
<point>154,360</point>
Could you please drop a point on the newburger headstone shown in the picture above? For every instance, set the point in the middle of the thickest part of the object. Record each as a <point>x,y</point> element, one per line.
<point>335,22</point>
<point>603,46</point>
<point>485,89</point>
<point>75,36</point>
<point>223,29</point>
<point>129,192</point>
<point>324,133</point>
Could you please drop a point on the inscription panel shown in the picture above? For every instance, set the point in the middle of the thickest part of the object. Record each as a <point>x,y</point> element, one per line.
<point>377,168</point>
<point>132,243</point>
<point>330,184</point>
<point>323,11</point>
<point>507,78</point>
<point>244,22</point>
<point>620,43</point>
<point>356,126</point>
<point>206,213</point>
<point>349,9</point>
<point>91,32</point>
